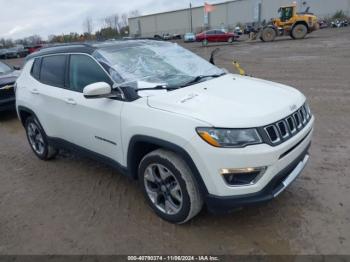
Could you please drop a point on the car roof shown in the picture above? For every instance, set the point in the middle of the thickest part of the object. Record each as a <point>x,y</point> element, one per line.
<point>89,48</point>
<point>60,49</point>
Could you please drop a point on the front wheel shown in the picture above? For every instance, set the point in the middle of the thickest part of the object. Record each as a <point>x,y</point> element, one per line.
<point>169,186</point>
<point>268,34</point>
<point>37,140</point>
<point>205,42</point>
<point>230,40</point>
<point>299,31</point>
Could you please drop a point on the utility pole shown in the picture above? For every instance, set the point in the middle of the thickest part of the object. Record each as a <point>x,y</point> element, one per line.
<point>191,25</point>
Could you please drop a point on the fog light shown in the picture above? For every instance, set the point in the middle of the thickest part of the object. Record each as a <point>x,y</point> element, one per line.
<point>242,176</point>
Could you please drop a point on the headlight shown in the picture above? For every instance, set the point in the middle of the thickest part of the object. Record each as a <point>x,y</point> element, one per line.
<point>222,137</point>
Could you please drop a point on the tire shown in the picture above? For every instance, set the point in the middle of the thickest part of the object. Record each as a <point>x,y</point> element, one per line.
<point>37,140</point>
<point>268,34</point>
<point>205,42</point>
<point>169,186</point>
<point>299,31</point>
<point>230,40</point>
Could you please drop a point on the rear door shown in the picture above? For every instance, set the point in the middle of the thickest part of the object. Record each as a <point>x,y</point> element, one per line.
<point>220,36</point>
<point>47,92</point>
<point>93,123</point>
<point>210,35</point>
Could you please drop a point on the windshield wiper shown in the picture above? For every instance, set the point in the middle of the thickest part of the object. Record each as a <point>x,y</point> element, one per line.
<point>199,78</point>
<point>158,87</point>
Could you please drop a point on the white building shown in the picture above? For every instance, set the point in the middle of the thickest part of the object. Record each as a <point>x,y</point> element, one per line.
<point>226,15</point>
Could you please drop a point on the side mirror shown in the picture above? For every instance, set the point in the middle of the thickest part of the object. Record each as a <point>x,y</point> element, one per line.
<point>97,90</point>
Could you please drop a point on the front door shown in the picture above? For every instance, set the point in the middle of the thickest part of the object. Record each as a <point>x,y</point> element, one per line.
<point>94,123</point>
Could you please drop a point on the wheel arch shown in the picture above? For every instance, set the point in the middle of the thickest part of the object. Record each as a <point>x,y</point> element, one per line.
<point>271,26</point>
<point>24,113</point>
<point>302,22</point>
<point>141,145</point>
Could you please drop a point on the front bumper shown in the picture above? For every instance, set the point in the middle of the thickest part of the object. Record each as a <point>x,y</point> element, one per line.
<point>7,104</point>
<point>210,161</point>
<point>277,185</point>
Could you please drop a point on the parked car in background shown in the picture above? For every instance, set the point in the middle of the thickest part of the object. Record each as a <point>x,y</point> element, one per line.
<point>2,53</point>
<point>34,48</point>
<point>238,31</point>
<point>339,23</point>
<point>249,28</point>
<point>176,36</point>
<point>167,36</point>
<point>189,37</point>
<point>216,35</point>
<point>323,24</point>
<point>158,37</point>
<point>13,52</point>
<point>8,76</point>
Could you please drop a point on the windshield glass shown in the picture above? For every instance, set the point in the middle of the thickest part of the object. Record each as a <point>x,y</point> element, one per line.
<point>4,69</point>
<point>153,62</point>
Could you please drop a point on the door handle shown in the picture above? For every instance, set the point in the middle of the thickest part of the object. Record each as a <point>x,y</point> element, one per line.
<point>70,101</point>
<point>35,91</point>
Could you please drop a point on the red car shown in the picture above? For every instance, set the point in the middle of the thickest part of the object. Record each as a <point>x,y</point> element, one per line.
<point>34,48</point>
<point>216,35</point>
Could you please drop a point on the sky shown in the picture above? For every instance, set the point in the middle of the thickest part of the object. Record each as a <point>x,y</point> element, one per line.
<point>22,18</point>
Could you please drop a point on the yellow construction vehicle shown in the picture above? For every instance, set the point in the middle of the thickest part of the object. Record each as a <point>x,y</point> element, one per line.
<point>296,25</point>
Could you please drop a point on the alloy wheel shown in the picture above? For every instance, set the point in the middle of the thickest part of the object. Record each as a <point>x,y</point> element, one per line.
<point>36,138</point>
<point>163,189</point>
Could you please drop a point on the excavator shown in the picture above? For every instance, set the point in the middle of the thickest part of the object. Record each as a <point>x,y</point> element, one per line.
<point>290,23</point>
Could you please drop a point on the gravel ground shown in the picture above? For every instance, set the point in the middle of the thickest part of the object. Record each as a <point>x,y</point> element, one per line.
<point>74,205</point>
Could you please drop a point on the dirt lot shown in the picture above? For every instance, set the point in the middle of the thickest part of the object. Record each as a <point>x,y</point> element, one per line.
<point>74,205</point>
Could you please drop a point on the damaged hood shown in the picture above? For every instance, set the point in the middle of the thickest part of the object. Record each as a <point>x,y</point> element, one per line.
<point>230,101</point>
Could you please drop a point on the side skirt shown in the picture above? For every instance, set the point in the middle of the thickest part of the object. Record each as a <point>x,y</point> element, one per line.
<point>63,144</point>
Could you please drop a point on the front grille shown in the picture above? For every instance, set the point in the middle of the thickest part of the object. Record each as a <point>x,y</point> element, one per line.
<point>6,92</point>
<point>286,128</point>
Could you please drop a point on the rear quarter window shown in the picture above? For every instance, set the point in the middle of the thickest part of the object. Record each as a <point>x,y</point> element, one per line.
<point>35,72</point>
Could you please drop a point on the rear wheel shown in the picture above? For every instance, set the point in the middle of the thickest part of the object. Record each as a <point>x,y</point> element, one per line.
<point>38,140</point>
<point>268,34</point>
<point>169,186</point>
<point>299,31</point>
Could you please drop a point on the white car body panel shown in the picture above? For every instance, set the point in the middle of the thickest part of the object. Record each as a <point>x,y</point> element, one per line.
<point>230,101</point>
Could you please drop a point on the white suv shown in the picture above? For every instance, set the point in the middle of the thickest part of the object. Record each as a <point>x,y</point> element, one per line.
<point>191,133</point>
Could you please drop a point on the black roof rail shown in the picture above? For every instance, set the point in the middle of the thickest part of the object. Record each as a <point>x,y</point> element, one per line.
<point>84,47</point>
<point>64,48</point>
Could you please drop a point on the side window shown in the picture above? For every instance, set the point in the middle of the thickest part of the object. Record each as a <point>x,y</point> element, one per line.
<point>53,70</point>
<point>35,72</point>
<point>84,71</point>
